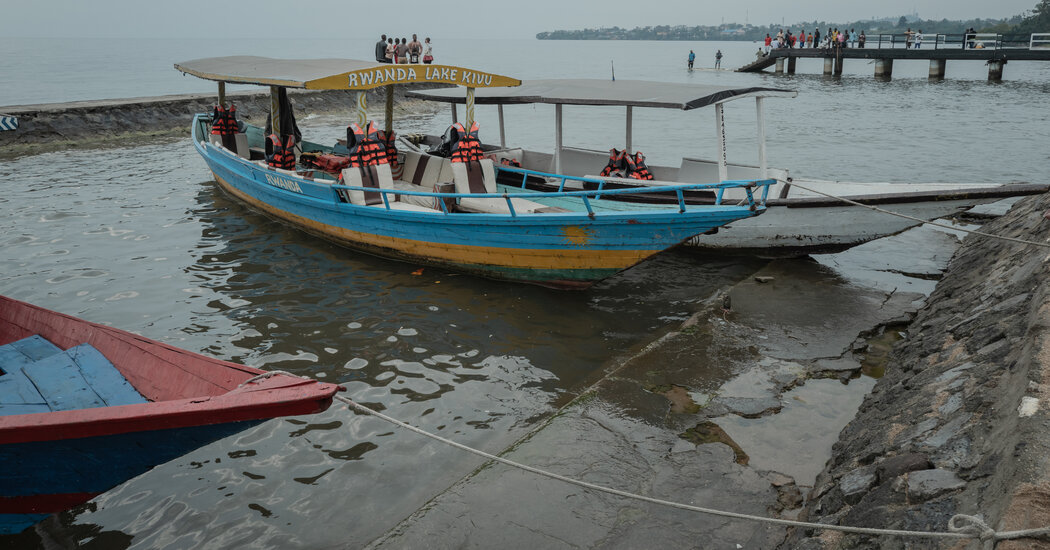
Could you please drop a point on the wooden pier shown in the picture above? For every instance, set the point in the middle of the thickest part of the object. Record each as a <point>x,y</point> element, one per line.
<point>994,49</point>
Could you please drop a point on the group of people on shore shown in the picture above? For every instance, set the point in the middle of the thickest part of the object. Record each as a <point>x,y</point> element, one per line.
<point>834,38</point>
<point>392,50</point>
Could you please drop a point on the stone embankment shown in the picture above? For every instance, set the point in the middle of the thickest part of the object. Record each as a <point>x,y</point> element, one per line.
<point>120,122</point>
<point>959,423</point>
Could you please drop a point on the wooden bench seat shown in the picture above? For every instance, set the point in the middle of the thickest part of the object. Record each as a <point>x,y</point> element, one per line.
<point>39,377</point>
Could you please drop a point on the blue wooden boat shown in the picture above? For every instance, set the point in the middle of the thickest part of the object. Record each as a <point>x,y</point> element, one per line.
<point>399,208</point>
<point>85,407</point>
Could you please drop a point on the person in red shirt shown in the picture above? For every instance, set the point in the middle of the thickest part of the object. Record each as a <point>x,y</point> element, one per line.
<point>769,42</point>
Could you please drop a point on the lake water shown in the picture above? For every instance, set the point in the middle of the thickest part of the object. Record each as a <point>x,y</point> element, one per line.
<point>140,238</point>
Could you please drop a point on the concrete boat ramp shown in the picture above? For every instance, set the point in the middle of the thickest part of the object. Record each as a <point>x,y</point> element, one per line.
<point>736,410</point>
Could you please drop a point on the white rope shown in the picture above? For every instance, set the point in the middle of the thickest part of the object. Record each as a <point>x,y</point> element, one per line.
<point>920,220</point>
<point>268,374</point>
<point>959,527</point>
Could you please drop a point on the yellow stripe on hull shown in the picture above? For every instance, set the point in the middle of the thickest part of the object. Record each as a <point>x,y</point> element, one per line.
<point>516,258</point>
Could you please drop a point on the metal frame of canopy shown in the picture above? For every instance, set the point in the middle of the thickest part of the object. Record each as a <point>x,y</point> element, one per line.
<point>629,94</point>
<point>337,74</point>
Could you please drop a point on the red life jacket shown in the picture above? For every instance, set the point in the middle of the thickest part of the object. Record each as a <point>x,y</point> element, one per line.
<point>283,152</point>
<point>390,147</point>
<point>365,147</point>
<point>218,120</point>
<point>468,147</point>
<point>617,164</point>
<point>636,167</point>
<point>231,120</point>
<point>510,162</point>
<point>224,121</point>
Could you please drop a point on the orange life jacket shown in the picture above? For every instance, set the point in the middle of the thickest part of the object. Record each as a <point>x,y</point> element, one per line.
<point>390,147</point>
<point>224,121</point>
<point>617,164</point>
<point>636,167</point>
<point>365,147</point>
<point>218,120</point>
<point>283,152</point>
<point>468,147</point>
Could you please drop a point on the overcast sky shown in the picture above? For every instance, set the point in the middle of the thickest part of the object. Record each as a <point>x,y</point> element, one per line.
<point>446,19</point>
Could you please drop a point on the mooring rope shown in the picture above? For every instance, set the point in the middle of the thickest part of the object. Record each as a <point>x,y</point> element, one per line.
<point>920,220</point>
<point>960,526</point>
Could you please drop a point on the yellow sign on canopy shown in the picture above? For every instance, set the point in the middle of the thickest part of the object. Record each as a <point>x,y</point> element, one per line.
<point>384,75</point>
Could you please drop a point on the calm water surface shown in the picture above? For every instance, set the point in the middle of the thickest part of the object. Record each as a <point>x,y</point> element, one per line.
<point>141,238</point>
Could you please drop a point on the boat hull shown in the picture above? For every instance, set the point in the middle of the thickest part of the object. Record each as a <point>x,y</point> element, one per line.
<point>785,231</point>
<point>562,250</point>
<point>45,477</point>
<point>56,460</point>
<point>814,224</point>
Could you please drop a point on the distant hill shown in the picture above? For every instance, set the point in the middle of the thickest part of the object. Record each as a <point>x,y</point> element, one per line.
<point>734,31</point>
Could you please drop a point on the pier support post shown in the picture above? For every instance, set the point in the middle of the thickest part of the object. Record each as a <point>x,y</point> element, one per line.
<point>937,68</point>
<point>995,69</point>
<point>884,68</point>
<point>791,64</point>
<point>838,65</point>
<point>829,63</point>
<point>780,65</point>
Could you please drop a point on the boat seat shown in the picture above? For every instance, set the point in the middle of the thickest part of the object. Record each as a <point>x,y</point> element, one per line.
<point>577,162</point>
<point>240,139</point>
<point>379,177</point>
<point>426,170</point>
<point>376,176</point>
<point>49,379</point>
<point>480,177</point>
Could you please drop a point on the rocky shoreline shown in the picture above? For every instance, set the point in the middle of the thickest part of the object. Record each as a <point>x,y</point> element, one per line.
<point>958,424</point>
<point>121,122</point>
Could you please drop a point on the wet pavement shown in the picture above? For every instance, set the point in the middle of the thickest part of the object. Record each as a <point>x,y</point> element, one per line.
<point>736,410</point>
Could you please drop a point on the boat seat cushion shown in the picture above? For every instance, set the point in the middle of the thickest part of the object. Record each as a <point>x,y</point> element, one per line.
<point>377,176</point>
<point>423,169</point>
<point>474,176</point>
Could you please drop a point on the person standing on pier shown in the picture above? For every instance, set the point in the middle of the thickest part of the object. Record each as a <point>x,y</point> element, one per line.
<point>918,39</point>
<point>718,59</point>
<point>907,38</point>
<point>816,37</point>
<point>853,38</point>
<point>861,40</point>
<point>381,50</point>
<point>769,42</point>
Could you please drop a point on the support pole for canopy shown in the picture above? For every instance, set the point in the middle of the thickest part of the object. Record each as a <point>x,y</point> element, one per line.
<point>362,109</point>
<point>455,114</point>
<point>275,110</point>
<point>389,109</point>
<point>469,109</point>
<point>630,125</point>
<point>502,132</point>
<point>720,127</point>
<point>762,172</point>
<point>557,138</point>
<point>222,94</point>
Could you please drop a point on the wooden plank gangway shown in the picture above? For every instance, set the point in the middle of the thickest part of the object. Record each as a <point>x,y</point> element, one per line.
<point>994,49</point>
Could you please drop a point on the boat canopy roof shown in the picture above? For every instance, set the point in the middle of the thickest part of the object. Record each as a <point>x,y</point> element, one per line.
<point>334,74</point>
<point>633,93</point>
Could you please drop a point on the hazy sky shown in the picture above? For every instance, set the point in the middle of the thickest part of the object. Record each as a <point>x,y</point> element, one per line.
<point>446,19</point>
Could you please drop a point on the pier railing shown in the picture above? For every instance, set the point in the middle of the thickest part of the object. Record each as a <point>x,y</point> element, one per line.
<point>960,41</point>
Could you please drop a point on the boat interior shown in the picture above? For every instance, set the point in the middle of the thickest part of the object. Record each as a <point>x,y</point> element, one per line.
<point>416,170</point>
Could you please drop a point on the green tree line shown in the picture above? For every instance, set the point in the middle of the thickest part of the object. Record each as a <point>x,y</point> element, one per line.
<point>1038,20</point>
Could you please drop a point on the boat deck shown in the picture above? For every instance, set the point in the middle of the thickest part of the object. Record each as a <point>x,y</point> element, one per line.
<point>37,376</point>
